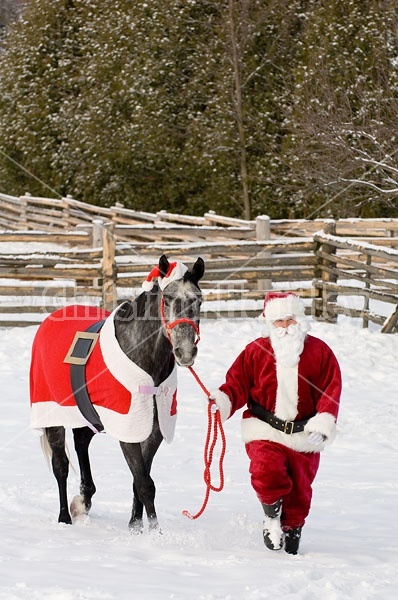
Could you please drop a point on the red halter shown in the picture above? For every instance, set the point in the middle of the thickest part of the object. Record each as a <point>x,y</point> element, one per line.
<point>169,326</point>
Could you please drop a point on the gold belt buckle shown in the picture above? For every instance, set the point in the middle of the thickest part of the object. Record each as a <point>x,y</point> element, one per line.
<point>289,425</point>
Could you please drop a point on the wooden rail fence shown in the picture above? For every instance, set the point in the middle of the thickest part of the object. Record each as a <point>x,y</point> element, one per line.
<point>27,213</point>
<point>102,255</point>
<point>342,262</point>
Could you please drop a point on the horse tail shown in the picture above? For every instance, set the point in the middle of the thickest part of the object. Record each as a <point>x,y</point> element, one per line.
<point>48,453</point>
<point>46,448</point>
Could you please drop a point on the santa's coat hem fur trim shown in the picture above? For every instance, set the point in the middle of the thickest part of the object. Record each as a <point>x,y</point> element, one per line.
<point>254,429</point>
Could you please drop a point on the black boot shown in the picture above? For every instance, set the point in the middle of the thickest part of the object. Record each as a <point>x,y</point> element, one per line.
<point>272,532</point>
<point>292,540</point>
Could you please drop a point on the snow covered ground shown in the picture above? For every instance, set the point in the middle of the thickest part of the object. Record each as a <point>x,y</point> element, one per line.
<point>349,546</point>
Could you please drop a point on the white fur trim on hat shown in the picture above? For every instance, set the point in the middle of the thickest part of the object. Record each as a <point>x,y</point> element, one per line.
<point>176,272</point>
<point>281,306</point>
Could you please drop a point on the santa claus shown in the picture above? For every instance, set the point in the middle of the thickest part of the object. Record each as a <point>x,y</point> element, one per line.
<point>290,384</point>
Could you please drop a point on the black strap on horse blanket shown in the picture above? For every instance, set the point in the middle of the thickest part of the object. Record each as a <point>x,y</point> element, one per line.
<point>288,427</point>
<point>81,348</point>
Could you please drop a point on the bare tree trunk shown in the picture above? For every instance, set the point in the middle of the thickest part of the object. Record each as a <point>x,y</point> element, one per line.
<point>239,110</point>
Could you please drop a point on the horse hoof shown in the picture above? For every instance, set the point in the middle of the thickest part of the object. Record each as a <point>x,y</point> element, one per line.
<point>154,527</point>
<point>136,527</point>
<point>77,507</point>
<point>64,517</point>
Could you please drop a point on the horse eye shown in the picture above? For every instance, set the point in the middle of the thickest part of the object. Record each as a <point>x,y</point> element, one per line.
<point>190,311</point>
<point>193,307</point>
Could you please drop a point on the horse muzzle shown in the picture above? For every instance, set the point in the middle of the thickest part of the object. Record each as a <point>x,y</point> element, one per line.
<point>185,357</point>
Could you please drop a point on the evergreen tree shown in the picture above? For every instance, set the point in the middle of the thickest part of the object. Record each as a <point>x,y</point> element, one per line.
<point>344,108</point>
<point>241,106</point>
<point>39,73</point>
<point>9,10</point>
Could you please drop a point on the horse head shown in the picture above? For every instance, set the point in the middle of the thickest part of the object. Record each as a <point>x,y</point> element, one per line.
<point>180,307</point>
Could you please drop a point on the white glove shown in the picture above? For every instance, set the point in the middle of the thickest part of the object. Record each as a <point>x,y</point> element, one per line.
<point>214,408</point>
<point>222,404</point>
<point>315,438</point>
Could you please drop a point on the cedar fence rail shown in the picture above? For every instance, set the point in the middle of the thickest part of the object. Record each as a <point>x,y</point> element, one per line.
<point>102,255</point>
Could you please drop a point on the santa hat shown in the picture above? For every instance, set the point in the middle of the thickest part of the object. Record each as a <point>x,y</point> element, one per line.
<point>281,305</point>
<point>176,272</point>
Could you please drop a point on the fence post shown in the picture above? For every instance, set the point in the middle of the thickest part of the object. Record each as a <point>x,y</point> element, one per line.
<point>365,320</point>
<point>24,211</point>
<point>97,236</point>
<point>263,233</point>
<point>391,322</point>
<point>66,211</point>
<point>109,273</point>
<point>328,297</point>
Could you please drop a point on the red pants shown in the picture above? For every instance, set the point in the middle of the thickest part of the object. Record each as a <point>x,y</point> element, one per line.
<point>279,472</point>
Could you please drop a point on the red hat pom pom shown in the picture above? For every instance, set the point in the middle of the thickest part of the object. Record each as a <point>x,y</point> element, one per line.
<point>147,285</point>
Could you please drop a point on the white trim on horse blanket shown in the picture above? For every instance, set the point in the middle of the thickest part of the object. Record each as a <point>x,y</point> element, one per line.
<point>120,390</point>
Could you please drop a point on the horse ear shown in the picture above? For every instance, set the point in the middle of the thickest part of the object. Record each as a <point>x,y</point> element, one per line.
<point>198,269</point>
<point>163,265</point>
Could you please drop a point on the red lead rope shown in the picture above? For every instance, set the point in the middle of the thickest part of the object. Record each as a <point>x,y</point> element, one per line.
<point>214,427</point>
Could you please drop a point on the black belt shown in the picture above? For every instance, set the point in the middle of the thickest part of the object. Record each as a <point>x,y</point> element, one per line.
<point>78,354</point>
<point>288,427</point>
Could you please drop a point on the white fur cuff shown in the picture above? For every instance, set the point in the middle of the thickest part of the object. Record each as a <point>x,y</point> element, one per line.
<point>223,403</point>
<point>324,423</point>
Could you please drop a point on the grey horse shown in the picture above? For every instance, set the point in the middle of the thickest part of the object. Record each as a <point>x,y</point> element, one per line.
<point>156,330</point>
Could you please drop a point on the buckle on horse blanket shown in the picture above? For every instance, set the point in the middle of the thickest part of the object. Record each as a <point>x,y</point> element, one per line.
<point>267,416</point>
<point>77,356</point>
<point>82,346</point>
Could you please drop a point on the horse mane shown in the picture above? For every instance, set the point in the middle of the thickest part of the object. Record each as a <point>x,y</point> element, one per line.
<point>141,306</point>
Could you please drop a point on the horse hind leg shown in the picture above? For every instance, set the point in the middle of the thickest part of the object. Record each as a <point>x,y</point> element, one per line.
<point>81,504</point>
<point>60,465</point>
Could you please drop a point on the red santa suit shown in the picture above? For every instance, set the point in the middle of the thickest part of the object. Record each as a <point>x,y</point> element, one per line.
<point>283,465</point>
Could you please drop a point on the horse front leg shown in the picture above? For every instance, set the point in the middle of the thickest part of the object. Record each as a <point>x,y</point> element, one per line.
<point>81,505</point>
<point>60,465</point>
<point>139,458</point>
<point>143,487</point>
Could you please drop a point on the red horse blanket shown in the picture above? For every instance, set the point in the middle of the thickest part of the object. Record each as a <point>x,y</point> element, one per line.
<point>120,390</point>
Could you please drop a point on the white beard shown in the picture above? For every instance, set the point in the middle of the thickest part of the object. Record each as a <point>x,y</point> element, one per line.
<point>288,343</point>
